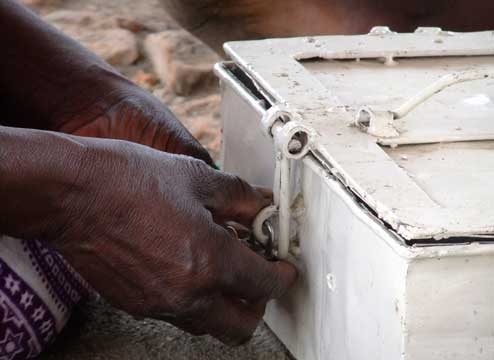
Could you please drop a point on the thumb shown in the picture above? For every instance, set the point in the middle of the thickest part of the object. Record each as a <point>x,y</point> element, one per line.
<point>230,198</point>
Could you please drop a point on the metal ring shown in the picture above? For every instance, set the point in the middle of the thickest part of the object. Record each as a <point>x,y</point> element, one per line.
<point>259,221</point>
<point>233,231</point>
<point>287,134</point>
<point>268,226</point>
<point>272,116</point>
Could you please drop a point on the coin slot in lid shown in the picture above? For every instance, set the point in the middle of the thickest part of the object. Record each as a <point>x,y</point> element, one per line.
<point>416,100</point>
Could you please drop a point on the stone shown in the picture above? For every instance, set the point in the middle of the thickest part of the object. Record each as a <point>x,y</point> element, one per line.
<point>116,46</point>
<point>100,33</point>
<point>183,63</point>
<point>131,25</point>
<point>87,19</point>
<point>145,80</point>
<point>42,3</point>
<point>201,115</point>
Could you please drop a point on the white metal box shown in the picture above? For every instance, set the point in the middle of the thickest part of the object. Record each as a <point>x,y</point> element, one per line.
<point>392,199</point>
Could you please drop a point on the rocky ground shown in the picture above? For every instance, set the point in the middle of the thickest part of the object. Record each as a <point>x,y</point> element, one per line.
<point>139,38</point>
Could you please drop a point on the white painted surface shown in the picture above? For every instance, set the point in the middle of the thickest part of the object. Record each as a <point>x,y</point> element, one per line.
<point>327,95</point>
<point>363,293</point>
<point>450,308</point>
<point>358,318</point>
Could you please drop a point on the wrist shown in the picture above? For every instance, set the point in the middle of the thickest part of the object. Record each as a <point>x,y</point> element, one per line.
<point>93,93</point>
<point>44,70</point>
<point>37,171</point>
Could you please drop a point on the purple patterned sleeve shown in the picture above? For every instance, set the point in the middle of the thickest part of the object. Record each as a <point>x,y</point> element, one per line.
<point>38,291</point>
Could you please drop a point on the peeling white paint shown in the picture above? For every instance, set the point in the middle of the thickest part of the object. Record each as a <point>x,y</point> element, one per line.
<point>364,293</point>
<point>329,93</point>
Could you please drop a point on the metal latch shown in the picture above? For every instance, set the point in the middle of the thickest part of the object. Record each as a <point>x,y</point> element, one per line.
<point>380,123</point>
<point>292,142</point>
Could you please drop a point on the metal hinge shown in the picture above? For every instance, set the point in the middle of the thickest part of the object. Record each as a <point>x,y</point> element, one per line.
<point>292,141</point>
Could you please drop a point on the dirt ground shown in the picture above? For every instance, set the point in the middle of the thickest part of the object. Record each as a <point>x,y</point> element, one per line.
<point>140,39</point>
<point>99,332</point>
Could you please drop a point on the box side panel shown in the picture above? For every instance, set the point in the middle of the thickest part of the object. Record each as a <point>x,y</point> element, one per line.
<point>450,308</point>
<point>246,149</point>
<point>357,298</point>
<point>347,304</point>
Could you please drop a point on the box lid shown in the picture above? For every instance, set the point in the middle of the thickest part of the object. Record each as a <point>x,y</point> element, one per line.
<point>406,121</point>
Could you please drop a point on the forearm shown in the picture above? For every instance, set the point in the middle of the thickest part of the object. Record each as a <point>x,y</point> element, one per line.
<point>43,72</point>
<point>37,170</point>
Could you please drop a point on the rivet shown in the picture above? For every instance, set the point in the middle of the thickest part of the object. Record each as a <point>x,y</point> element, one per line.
<point>331,280</point>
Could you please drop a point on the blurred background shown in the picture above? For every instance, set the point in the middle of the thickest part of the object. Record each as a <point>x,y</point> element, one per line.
<point>147,46</point>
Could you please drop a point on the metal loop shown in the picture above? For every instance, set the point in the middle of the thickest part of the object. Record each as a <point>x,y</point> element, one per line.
<point>268,226</point>
<point>260,220</point>
<point>233,231</point>
<point>272,116</point>
<point>293,139</point>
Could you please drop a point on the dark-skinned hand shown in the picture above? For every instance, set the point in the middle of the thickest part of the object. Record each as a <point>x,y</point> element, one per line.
<point>144,227</point>
<point>49,82</point>
<point>125,111</point>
